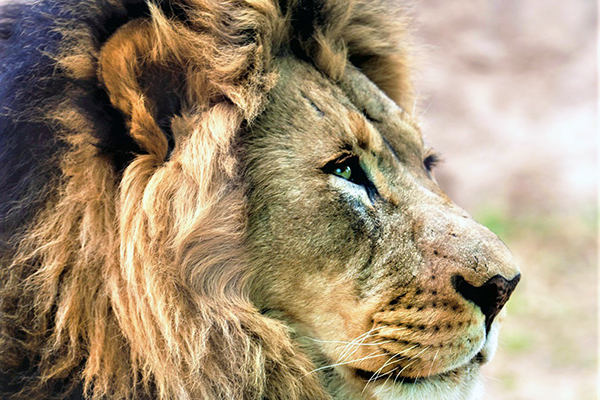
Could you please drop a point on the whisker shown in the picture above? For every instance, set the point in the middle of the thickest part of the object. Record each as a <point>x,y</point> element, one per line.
<point>415,357</point>
<point>388,362</point>
<point>425,112</point>
<point>415,102</point>
<point>352,346</point>
<point>343,342</point>
<point>346,362</point>
<point>353,342</point>
<point>390,373</point>
<point>433,361</point>
<point>356,343</point>
<point>366,336</point>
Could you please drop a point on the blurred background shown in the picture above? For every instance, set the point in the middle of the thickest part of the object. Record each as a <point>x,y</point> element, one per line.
<point>508,96</point>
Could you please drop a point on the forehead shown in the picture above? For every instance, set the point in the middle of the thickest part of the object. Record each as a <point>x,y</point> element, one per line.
<point>325,114</point>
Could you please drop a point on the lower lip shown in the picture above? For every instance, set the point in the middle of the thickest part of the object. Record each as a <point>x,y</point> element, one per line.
<point>367,376</point>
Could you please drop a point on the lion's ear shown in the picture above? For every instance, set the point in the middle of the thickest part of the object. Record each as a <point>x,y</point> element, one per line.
<point>153,67</point>
<point>144,83</point>
<point>372,35</point>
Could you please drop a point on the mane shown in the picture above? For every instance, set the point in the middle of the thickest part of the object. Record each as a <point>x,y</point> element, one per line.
<point>123,271</point>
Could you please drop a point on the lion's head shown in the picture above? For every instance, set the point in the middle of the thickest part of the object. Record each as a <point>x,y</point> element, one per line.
<point>231,200</point>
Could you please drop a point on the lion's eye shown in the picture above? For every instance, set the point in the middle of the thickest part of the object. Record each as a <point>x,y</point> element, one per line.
<point>348,168</point>
<point>431,161</point>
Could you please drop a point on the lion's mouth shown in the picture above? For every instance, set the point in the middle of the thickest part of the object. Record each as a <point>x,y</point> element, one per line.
<point>396,376</point>
<point>370,377</point>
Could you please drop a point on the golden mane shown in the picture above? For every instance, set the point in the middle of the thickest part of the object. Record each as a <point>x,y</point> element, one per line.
<point>132,282</point>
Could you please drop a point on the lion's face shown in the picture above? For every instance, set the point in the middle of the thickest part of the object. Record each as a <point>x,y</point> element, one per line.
<point>391,287</point>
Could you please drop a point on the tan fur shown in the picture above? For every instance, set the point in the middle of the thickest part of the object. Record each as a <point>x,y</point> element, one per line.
<point>149,283</point>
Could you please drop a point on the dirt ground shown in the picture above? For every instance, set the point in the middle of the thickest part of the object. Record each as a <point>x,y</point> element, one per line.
<point>508,95</point>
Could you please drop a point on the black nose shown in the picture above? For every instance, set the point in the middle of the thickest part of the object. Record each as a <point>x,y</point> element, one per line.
<point>489,297</point>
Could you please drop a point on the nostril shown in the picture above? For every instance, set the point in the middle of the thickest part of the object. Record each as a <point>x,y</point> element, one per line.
<point>489,297</point>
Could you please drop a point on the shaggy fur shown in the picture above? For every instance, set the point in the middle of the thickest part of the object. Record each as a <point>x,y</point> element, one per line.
<point>129,186</point>
<point>133,284</point>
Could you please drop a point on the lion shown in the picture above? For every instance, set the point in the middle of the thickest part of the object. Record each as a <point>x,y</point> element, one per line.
<point>230,199</point>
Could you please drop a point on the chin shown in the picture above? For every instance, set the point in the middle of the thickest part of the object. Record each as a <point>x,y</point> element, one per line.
<point>462,383</point>
<point>459,384</point>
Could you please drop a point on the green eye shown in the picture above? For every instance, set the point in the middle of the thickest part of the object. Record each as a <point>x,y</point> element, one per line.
<point>344,172</point>
<point>347,167</point>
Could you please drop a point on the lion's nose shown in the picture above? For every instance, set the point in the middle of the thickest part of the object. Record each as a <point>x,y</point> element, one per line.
<point>489,297</point>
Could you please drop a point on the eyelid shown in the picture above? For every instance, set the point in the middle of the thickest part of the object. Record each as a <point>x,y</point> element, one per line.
<point>336,162</point>
<point>342,158</point>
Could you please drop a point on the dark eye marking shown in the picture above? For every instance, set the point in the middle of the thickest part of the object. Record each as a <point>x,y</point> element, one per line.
<point>431,161</point>
<point>391,148</point>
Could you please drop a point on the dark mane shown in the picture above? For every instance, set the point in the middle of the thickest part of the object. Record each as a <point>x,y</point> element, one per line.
<point>31,82</point>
